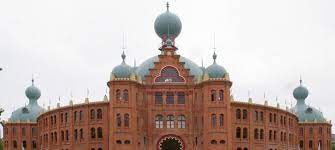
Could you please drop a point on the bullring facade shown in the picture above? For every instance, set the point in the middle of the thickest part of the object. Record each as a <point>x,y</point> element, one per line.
<point>167,103</point>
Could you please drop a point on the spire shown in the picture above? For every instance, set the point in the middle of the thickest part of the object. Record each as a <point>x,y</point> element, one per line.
<point>167,6</point>
<point>300,81</point>
<point>214,48</point>
<point>32,80</point>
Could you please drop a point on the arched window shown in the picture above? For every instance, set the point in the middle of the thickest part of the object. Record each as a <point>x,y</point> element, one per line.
<point>256,134</point>
<point>301,144</point>
<point>275,118</point>
<point>181,121</point>
<point>158,98</point>
<point>169,98</point>
<point>245,114</point>
<point>75,134</point>
<point>256,115</point>
<point>92,114</point>
<point>100,133</point>
<point>213,118</point>
<point>261,134</point>
<point>62,135</point>
<point>238,113</point>
<point>221,95</point>
<point>320,130</point>
<point>238,132</point>
<point>118,120</point>
<point>55,134</point>
<point>311,131</point>
<point>213,95</point>
<point>66,135</point>
<point>270,135</point>
<point>221,120</point>
<point>93,133</point>
<point>170,121</point>
<point>118,94</point>
<point>270,117</point>
<point>99,114</point>
<point>75,116</point>
<point>66,117</point>
<point>81,134</point>
<point>126,142</point>
<point>81,115</point>
<point>126,120</point>
<point>14,144</point>
<point>99,148</point>
<point>261,116</point>
<point>239,148</point>
<point>34,144</point>
<point>274,135</point>
<point>245,133</point>
<point>125,95</point>
<point>23,131</point>
<point>159,121</point>
<point>310,144</point>
<point>213,142</point>
<point>245,148</point>
<point>181,98</point>
<point>222,142</point>
<point>118,142</point>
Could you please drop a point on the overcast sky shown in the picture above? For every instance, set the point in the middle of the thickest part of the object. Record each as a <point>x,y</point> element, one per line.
<point>72,45</point>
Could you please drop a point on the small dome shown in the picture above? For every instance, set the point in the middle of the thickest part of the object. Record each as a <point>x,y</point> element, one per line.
<point>308,113</point>
<point>123,70</point>
<point>33,92</point>
<point>167,25</point>
<point>215,70</point>
<point>300,92</point>
<point>32,110</point>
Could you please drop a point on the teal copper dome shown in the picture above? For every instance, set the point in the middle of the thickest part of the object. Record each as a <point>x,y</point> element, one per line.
<point>123,70</point>
<point>300,92</point>
<point>215,70</point>
<point>305,112</point>
<point>167,25</point>
<point>143,69</point>
<point>31,111</point>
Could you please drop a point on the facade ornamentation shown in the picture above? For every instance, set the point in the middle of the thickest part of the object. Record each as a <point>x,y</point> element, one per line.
<point>167,102</point>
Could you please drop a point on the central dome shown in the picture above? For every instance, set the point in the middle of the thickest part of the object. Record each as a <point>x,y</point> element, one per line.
<point>167,25</point>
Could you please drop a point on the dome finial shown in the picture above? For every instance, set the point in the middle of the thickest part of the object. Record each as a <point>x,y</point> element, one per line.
<point>123,56</point>
<point>214,57</point>
<point>167,6</point>
<point>32,80</point>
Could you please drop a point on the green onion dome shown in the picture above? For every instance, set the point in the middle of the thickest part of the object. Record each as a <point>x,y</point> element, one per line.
<point>305,112</point>
<point>215,70</point>
<point>167,25</point>
<point>31,111</point>
<point>123,70</point>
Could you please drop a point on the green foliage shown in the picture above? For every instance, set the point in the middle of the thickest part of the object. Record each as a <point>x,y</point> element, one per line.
<point>333,146</point>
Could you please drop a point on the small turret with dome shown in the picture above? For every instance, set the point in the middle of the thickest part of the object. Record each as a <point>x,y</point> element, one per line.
<point>123,70</point>
<point>305,112</point>
<point>31,111</point>
<point>215,70</point>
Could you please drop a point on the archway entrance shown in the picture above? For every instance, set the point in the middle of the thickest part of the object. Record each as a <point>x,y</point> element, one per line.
<point>170,142</point>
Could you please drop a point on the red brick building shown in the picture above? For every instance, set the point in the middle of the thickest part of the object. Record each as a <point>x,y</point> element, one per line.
<point>167,103</point>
